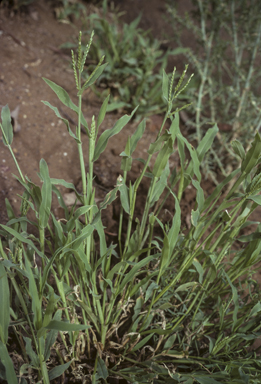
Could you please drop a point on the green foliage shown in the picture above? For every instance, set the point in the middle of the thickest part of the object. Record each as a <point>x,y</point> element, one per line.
<point>134,61</point>
<point>224,58</point>
<point>69,8</point>
<point>163,305</point>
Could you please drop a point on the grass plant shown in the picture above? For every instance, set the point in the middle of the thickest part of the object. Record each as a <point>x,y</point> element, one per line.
<point>180,307</point>
<point>134,60</point>
<point>68,9</point>
<point>225,61</point>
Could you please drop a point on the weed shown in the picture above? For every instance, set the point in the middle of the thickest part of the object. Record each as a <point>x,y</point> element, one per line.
<point>134,62</point>
<point>179,307</point>
<point>224,59</point>
<point>68,9</point>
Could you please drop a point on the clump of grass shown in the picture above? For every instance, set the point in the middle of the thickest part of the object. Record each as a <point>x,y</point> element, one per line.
<point>225,61</point>
<point>67,9</point>
<point>176,307</point>
<point>134,60</point>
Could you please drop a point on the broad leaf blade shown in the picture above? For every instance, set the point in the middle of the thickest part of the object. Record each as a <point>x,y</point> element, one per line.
<point>102,372</point>
<point>103,139</point>
<point>102,112</point>
<point>66,122</point>
<point>124,194</point>
<point>93,77</point>
<point>65,99</point>
<point>206,142</point>
<point>58,371</point>
<point>238,149</point>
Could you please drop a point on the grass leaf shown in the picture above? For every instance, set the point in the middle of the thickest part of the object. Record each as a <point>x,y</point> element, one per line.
<point>45,207</point>
<point>34,293</point>
<point>162,158</point>
<point>4,304</point>
<point>59,370</point>
<point>65,327</point>
<point>102,372</point>
<point>65,99</point>
<point>8,364</point>
<point>6,126</point>
<point>66,122</point>
<point>103,139</point>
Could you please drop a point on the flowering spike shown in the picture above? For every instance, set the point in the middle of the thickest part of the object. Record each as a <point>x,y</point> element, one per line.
<point>93,129</point>
<point>180,80</point>
<point>74,70</point>
<point>79,61</point>
<point>86,51</point>
<point>171,83</point>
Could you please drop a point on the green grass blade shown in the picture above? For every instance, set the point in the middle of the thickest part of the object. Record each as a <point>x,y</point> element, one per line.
<point>66,122</point>
<point>142,342</point>
<point>164,256</point>
<point>124,196</point>
<point>21,238</point>
<point>200,195</point>
<point>65,99</point>
<point>62,326</point>
<point>252,155</point>
<point>206,142</point>
<point>4,304</point>
<point>238,149</point>
<point>6,126</point>
<point>36,301</point>
<point>176,224</point>
<point>93,77</point>
<point>103,139</point>
<point>219,188</point>
<point>51,337</point>
<point>162,158</point>
<point>195,160</point>
<point>8,364</point>
<point>45,207</point>
<point>9,210</point>
<point>160,185</point>
<point>31,353</point>
<point>137,268</point>
<point>58,371</point>
<point>102,372</point>
<point>85,233</point>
